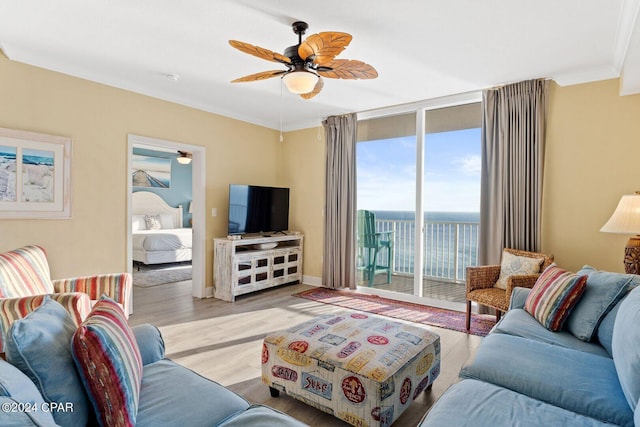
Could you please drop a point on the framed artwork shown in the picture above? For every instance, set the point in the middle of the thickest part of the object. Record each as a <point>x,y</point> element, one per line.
<point>35,175</point>
<point>150,171</point>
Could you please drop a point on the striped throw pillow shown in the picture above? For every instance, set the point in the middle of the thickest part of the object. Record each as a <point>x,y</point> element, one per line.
<point>554,295</point>
<point>108,358</point>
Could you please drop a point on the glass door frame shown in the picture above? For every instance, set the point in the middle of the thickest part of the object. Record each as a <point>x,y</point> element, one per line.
<point>419,108</point>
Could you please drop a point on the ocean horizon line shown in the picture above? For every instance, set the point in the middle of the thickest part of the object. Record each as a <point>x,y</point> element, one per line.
<point>445,216</point>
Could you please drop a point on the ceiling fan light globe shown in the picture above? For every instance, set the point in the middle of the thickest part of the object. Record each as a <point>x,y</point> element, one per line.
<point>184,157</point>
<point>299,82</point>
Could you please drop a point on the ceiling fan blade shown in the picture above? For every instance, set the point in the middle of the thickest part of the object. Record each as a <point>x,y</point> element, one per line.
<point>259,76</point>
<point>260,52</point>
<point>325,46</point>
<point>316,90</point>
<point>348,69</point>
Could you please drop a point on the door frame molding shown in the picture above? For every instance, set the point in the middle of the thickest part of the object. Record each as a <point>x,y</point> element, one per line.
<point>198,181</point>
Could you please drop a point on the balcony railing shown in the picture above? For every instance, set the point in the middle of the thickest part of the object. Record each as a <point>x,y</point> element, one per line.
<point>449,247</point>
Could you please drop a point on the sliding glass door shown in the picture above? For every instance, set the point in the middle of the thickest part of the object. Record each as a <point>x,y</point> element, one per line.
<point>386,176</point>
<point>426,161</point>
<point>451,199</point>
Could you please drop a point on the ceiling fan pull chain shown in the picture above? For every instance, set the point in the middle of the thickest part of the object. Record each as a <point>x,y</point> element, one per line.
<point>281,137</point>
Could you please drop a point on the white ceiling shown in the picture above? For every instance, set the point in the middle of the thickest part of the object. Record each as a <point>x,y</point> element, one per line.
<point>421,49</point>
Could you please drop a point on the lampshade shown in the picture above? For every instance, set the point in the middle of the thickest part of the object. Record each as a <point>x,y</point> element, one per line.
<point>626,217</point>
<point>300,81</point>
<point>184,158</point>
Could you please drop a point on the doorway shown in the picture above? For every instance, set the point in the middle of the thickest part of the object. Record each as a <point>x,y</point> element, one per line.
<point>197,205</point>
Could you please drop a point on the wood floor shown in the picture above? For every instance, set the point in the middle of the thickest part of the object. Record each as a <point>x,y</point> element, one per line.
<point>223,341</point>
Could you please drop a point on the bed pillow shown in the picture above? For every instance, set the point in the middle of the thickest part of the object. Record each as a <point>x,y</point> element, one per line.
<point>602,293</point>
<point>166,221</point>
<point>553,296</point>
<point>513,265</point>
<point>153,222</point>
<point>138,223</point>
<point>39,345</point>
<point>108,358</point>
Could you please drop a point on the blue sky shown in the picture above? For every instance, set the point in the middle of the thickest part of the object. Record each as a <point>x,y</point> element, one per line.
<point>387,170</point>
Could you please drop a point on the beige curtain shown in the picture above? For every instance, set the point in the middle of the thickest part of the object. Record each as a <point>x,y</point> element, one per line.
<point>338,269</point>
<point>513,130</point>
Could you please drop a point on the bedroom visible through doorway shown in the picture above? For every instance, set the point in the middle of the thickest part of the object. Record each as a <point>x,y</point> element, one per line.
<point>165,214</point>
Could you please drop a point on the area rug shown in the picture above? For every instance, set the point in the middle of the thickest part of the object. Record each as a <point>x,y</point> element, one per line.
<point>418,313</point>
<point>160,274</point>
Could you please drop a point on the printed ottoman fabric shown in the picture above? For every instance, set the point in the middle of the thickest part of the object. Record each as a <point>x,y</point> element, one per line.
<point>361,368</point>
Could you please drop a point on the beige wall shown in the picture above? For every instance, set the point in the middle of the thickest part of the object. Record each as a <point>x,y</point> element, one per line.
<point>593,147</point>
<point>98,119</point>
<point>303,172</point>
<point>593,143</point>
<point>592,152</point>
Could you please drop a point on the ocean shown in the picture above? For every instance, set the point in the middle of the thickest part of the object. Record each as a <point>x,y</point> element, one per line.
<point>450,242</point>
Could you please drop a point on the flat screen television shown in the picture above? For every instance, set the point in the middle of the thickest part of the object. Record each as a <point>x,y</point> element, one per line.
<point>256,209</point>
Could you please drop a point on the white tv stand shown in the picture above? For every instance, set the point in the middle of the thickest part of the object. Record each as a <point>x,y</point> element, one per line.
<point>255,262</point>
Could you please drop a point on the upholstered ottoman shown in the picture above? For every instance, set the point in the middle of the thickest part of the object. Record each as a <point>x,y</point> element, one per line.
<point>361,368</point>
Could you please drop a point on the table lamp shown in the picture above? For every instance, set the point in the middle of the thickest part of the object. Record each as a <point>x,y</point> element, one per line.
<point>626,220</point>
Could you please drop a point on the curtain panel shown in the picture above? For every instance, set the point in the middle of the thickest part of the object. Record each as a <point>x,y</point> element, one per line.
<point>513,131</point>
<point>339,268</point>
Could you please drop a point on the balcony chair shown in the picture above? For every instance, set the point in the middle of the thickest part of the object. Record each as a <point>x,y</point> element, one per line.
<point>372,247</point>
<point>25,282</point>
<point>481,283</point>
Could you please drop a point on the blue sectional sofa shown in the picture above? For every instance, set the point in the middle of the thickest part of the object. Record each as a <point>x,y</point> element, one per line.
<point>587,374</point>
<point>171,395</point>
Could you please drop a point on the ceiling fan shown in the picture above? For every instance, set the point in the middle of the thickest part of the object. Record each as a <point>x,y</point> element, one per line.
<point>308,61</point>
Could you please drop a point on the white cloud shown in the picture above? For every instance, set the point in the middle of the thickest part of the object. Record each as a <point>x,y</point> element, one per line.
<point>469,165</point>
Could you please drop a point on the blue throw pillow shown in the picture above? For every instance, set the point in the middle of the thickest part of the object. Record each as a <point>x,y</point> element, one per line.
<point>626,347</point>
<point>603,291</point>
<point>40,346</point>
<point>605,330</point>
<point>17,389</point>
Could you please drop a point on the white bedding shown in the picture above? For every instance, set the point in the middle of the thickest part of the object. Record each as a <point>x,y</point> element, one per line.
<point>162,240</point>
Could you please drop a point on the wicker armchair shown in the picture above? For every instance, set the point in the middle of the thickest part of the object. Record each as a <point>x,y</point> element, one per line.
<point>481,281</point>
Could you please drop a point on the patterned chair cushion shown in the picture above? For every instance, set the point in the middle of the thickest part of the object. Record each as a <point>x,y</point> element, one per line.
<point>514,265</point>
<point>554,295</point>
<point>24,272</point>
<point>116,286</point>
<point>110,365</point>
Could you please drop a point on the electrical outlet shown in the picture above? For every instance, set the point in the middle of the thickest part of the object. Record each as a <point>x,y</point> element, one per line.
<point>214,211</point>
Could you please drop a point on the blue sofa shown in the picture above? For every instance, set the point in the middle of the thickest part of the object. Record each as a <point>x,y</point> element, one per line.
<point>587,374</point>
<point>171,395</point>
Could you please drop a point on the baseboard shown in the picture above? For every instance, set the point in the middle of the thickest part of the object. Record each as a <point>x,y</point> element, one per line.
<point>208,292</point>
<point>311,280</point>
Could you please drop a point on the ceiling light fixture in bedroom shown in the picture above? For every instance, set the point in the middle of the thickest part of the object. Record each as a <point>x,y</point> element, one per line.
<point>184,158</point>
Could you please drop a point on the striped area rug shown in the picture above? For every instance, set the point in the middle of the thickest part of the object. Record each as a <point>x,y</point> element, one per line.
<point>418,313</point>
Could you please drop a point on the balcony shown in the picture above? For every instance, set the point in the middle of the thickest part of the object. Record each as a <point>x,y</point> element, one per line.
<point>449,248</point>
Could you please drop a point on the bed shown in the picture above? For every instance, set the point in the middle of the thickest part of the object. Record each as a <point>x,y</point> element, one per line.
<point>158,236</point>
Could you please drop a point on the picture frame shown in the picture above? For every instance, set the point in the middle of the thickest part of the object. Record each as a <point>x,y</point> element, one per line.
<point>151,171</point>
<point>35,175</point>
